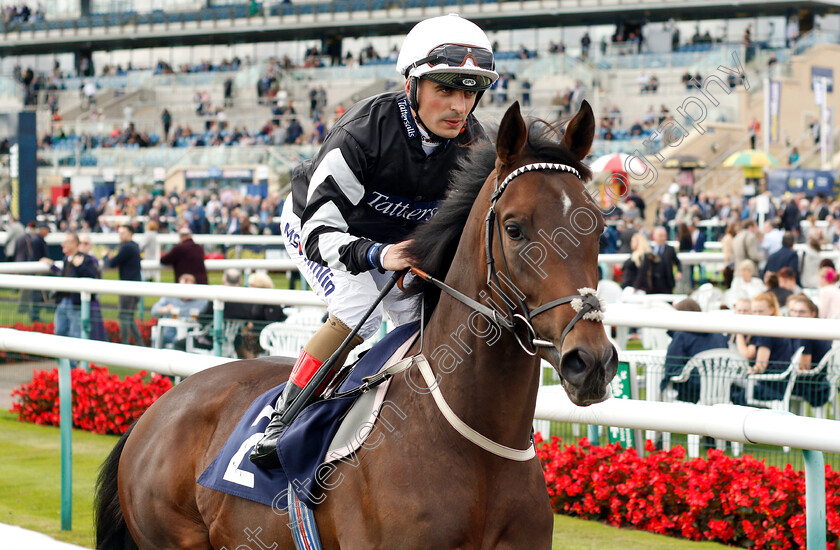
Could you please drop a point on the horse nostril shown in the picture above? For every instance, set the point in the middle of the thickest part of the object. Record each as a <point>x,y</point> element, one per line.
<point>573,368</point>
<point>609,358</point>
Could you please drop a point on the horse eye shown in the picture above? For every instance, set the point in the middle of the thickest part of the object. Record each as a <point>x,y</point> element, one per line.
<point>514,231</point>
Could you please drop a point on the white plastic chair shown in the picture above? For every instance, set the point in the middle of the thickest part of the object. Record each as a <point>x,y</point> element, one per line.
<point>717,368</point>
<point>731,296</point>
<point>285,338</point>
<point>789,374</point>
<point>609,291</point>
<point>656,338</point>
<point>230,329</point>
<point>708,296</point>
<point>830,364</point>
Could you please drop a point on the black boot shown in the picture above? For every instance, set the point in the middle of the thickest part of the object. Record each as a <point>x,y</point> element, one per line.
<point>264,453</point>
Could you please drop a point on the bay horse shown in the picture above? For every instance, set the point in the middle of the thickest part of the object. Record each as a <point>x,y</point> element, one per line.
<point>521,235</point>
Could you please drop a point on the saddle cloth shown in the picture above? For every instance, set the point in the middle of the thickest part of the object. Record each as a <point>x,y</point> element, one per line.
<point>316,437</point>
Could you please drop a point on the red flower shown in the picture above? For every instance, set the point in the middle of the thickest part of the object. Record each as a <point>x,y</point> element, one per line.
<point>737,501</point>
<point>102,403</point>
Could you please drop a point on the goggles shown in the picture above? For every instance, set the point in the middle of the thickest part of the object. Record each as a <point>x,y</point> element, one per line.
<point>454,55</point>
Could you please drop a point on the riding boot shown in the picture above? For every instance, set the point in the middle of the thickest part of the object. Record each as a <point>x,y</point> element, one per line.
<point>264,454</point>
<point>323,343</point>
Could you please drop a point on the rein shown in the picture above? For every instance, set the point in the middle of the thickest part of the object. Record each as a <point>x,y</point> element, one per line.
<point>586,304</point>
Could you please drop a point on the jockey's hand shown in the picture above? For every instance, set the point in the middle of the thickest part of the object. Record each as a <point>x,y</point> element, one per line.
<point>395,258</point>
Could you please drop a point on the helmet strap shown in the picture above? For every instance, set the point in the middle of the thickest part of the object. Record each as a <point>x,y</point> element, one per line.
<point>415,107</point>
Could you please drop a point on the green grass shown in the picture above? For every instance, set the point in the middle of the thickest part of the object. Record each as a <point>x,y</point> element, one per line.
<point>30,492</point>
<point>577,534</point>
<point>30,478</point>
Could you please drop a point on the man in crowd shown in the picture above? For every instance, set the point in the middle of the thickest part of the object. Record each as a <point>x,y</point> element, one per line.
<point>745,245</point>
<point>68,309</point>
<point>783,257</point>
<point>174,308</point>
<point>127,261</point>
<point>31,247</point>
<point>664,279</point>
<point>186,257</point>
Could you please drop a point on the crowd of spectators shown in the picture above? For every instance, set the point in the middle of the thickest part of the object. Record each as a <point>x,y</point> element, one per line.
<point>22,13</point>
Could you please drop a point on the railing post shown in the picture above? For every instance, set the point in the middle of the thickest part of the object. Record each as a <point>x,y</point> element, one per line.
<point>592,433</point>
<point>218,324</point>
<point>84,320</point>
<point>65,398</point>
<point>814,499</point>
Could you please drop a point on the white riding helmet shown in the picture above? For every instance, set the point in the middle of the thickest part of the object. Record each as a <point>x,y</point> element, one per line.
<point>449,50</point>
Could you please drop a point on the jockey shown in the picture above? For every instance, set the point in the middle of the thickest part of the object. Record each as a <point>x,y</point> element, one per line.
<point>382,170</point>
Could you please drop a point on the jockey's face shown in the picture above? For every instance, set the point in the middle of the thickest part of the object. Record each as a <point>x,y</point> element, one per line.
<point>443,110</point>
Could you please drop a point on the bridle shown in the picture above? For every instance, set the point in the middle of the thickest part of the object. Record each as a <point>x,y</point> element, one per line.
<point>586,304</point>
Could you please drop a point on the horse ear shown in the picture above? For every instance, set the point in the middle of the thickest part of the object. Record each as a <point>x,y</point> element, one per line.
<point>580,131</point>
<point>512,135</point>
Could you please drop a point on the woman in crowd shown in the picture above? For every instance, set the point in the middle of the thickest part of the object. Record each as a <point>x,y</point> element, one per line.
<point>746,284</point>
<point>732,229</point>
<point>810,271</point>
<point>829,295</point>
<point>638,275</point>
<point>743,306</point>
<point>768,354</point>
<point>684,345</point>
<point>773,287</point>
<point>814,388</point>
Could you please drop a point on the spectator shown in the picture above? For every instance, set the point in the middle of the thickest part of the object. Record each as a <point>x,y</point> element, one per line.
<point>746,284</point>
<point>14,231</point>
<point>728,253</point>
<point>771,241</point>
<point>793,158</point>
<point>829,294</point>
<point>811,257</point>
<point>174,308</point>
<point>745,244</point>
<point>186,257</point>
<point>127,261</point>
<point>526,93</point>
<point>684,345</point>
<point>637,269</point>
<point>768,354</point>
<point>97,323</point>
<point>771,281</point>
<point>814,389</point>
<point>753,131</point>
<point>68,308</point>
<point>585,42</point>
<point>31,248</point>
<point>787,280</point>
<point>664,279</point>
<point>791,217</point>
<point>783,257</point>
<point>166,119</point>
<point>228,92</point>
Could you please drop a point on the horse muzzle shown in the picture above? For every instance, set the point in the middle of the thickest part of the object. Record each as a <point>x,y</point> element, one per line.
<point>586,373</point>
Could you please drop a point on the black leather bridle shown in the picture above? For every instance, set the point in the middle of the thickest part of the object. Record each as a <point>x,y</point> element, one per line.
<point>586,304</point>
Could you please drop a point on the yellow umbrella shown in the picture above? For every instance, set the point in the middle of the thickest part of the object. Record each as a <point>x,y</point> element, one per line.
<point>750,157</point>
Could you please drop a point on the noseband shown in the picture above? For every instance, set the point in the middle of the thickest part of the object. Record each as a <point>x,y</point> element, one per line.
<point>586,304</point>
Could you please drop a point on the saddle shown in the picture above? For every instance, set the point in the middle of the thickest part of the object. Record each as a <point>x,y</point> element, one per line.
<point>326,431</point>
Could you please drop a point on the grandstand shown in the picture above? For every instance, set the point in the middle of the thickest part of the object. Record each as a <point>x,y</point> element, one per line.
<point>99,109</point>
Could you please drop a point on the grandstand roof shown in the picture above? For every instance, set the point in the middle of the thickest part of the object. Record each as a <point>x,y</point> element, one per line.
<point>356,18</point>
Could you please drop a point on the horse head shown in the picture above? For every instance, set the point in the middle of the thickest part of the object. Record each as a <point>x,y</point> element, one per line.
<point>543,244</point>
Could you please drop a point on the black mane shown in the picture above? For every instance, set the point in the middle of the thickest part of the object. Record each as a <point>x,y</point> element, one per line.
<point>435,242</point>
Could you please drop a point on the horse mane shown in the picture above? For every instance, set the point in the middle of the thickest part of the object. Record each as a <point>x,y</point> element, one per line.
<point>435,242</point>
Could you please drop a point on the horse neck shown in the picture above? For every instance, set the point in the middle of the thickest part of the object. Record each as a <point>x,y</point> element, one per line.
<point>486,378</point>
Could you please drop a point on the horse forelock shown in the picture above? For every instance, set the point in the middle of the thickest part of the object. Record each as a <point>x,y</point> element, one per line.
<point>434,243</point>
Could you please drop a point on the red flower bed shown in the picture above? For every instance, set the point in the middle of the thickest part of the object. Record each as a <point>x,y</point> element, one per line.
<point>736,501</point>
<point>102,403</point>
